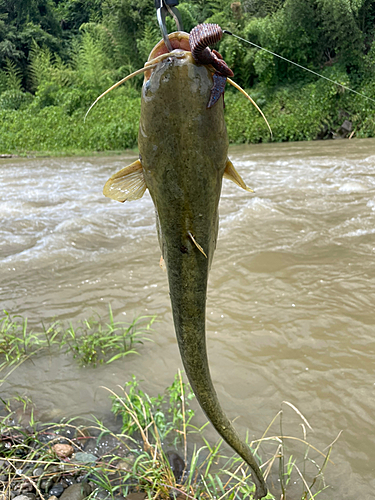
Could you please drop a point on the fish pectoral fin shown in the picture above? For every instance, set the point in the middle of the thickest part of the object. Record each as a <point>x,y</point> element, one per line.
<point>127,184</point>
<point>162,264</point>
<point>231,173</point>
<point>196,244</point>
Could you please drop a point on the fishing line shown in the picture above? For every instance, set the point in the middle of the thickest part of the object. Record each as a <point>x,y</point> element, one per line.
<point>299,65</point>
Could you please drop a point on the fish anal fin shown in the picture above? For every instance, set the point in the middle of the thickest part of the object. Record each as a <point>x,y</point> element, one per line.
<point>231,173</point>
<point>126,185</point>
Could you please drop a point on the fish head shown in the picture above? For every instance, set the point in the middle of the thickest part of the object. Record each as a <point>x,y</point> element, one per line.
<point>179,41</point>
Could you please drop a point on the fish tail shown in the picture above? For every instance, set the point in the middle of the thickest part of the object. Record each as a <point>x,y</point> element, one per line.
<point>188,305</point>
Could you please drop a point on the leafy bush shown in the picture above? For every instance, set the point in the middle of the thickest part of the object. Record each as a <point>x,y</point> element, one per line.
<point>102,42</point>
<point>15,99</point>
<point>111,125</point>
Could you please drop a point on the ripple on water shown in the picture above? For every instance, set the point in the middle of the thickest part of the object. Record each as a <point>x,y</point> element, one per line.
<point>290,299</point>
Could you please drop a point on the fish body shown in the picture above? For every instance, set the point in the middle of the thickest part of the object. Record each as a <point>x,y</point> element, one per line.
<point>183,148</point>
<point>183,158</point>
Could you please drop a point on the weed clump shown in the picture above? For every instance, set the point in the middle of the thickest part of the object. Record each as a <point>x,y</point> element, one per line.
<point>94,341</point>
<point>158,452</point>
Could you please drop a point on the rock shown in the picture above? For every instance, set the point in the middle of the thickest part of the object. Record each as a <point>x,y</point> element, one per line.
<point>46,484</point>
<point>126,464</point>
<point>46,438</point>
<point>90,446</point>
<point>21,497</point>
<point>26,487</point>
<point>67,481</point>
<point>67,467</point>
<point>345,128</point>
<point>84,458</point>
<point>52,497</point>
<point>136,496</point>
<point>63,450</point>
<point>56,490</point>
<point>102,494</point>
<point>30,496</point>
<point>3,477</point>
<point>177,464</point>
<point>77,491</point>
<point>105,445</point>
<point>52,468</point>
<point>38,471</point>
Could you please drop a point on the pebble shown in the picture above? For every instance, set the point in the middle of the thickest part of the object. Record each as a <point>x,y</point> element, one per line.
<point>104,446</point>
<point>77,491</point>
<point>21,497</point>
<point>84,458</point>
<point>68,481</point>
<point>38,471</point>
<point>52,497</point>
<point>177,464</point>
<point>46,484</point>
<point>56,490</point>
<point>123,465</point>
<point>102,494</point>
<point>136,496</point>
<point>63,450</point>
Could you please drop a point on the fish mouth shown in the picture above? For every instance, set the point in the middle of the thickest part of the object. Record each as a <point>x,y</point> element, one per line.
<point>179,40</point>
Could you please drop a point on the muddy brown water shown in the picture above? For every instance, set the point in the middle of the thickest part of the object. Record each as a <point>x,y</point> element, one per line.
<point>290,302</point>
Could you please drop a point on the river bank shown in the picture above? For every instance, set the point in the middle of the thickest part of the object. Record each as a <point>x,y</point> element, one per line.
<point>157,451</point>
<point>318,110</point>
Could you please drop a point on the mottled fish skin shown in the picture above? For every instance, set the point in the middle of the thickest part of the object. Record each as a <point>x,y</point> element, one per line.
<point>183,148</point>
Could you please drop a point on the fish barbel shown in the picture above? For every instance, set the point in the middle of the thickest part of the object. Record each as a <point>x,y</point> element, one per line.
<point>183,149</point>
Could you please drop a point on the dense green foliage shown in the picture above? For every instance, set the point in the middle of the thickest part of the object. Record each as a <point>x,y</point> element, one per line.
<point>57,56</point>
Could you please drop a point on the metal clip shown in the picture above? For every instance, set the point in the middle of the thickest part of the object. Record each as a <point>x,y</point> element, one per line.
<point>164,7</point>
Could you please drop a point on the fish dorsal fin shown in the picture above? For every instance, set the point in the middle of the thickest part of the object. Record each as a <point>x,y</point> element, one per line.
<point>126,185</point>
<point>231,173</point>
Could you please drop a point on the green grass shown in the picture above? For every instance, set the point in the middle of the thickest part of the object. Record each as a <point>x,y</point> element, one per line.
<point>136,458</point>
<point>92,341</point>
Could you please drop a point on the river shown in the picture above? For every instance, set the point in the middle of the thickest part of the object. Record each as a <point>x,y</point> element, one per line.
<point>290,302</point>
